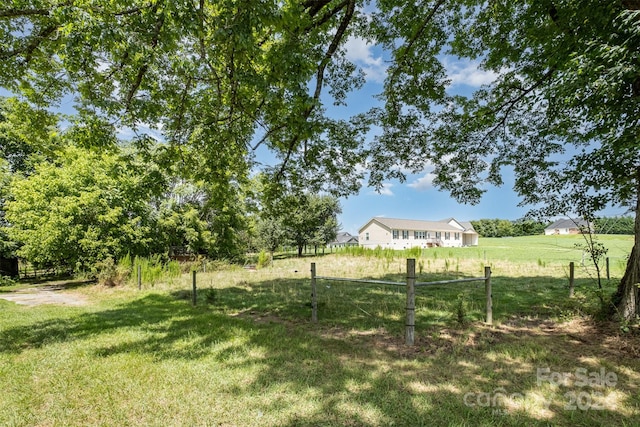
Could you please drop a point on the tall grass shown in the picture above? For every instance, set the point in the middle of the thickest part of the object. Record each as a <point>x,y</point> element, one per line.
<point>152,269</point>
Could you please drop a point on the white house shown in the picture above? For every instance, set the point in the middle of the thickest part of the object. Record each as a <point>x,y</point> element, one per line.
<point>568,226</point>
<point>407,233</point>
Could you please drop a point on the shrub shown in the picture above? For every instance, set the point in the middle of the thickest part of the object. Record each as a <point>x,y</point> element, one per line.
<point>264,260</point>
<point>6,281</point>
<point>461,310</point>
<point>108,273</point>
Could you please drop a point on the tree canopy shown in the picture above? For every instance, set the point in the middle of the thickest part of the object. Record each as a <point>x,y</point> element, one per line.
<point>299,218</point>
<point>228,77</point>
<point>562,112</point>
<point>223,76</point>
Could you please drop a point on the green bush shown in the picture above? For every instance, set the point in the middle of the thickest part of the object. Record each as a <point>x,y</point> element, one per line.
<point>264,259</point>
<point>6,281</point>
<point>461,310</point>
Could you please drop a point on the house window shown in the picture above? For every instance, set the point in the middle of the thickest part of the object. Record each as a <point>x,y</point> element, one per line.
<point>366,236</point>
<point>428,234</point>
<point>438,235</point>
<point>396,234</point>
<point>419,235</point>
<point>405,234</point>
<point>447,235</point>
<point>456,236</point>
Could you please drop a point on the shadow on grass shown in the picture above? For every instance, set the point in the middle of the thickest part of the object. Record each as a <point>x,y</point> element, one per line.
<point>353,380</point>
<point>370,306</point>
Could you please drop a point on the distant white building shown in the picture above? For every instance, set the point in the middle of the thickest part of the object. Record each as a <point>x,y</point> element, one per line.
<point>568,226</point>
<point>407,233</point>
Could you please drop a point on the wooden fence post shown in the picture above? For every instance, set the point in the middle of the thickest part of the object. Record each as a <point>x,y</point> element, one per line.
<point>139,277</point>
<point>487,290</point>
<point>194,295</point>
<point>571,278</point>
<point>608,275</point>
<point>410,323</point>
<point>314,295</point>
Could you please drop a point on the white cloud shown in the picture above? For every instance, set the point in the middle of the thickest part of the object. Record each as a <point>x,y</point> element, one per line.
<point>468,73</point>
<point>385,190</point>
<point>360,52</point>
<point>423,183</point>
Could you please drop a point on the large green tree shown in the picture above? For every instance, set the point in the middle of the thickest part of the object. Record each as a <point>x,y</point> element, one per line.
<point>232,76</point>
<point>7,247</point>
<point>562,113</point>
<point>303,218</point>
<point>203,218</point>
<point>28,136</point>
<point>82,208</point>
<point>270,233</point>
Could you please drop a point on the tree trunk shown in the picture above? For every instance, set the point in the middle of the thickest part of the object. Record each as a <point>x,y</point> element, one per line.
<point>300,251</point>
<point>627,298</point>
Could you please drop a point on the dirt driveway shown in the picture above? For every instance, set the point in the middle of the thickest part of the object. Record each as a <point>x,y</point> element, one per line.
<point>44,294</point>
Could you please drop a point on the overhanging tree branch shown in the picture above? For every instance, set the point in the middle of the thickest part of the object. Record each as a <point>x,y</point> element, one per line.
<point>17,13</point>
<point>512,103</point>
<point>412,41</point>
<point>33,43</point>
<point>143,69</point>
<point>331,50</point>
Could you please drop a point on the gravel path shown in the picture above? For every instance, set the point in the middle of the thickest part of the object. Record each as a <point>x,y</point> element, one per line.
<point>43,295</point>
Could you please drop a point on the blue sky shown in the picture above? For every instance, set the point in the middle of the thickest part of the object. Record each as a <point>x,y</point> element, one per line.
<point>417,198</point>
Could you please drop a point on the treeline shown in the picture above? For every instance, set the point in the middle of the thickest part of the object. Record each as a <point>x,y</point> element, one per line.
<point>507,228</point>
<point>80,197</point>
<point>615,225</point>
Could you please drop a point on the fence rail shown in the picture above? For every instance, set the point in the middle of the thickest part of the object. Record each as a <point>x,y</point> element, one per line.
<point>441,282</point>
<point>345,279</point>
<point>410,285</point>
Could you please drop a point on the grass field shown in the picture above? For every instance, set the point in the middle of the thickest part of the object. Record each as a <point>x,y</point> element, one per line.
<point>248,355</point>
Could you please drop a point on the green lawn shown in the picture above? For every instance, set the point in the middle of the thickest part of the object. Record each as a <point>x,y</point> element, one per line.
<point>248,355</point>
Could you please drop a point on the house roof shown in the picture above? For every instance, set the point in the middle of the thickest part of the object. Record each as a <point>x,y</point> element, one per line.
<point>464,224</point>
<point>568,223</point>
<point>419,225</point>
<point>344,237</point>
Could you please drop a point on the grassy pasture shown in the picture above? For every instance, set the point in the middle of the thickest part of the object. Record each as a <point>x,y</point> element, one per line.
<point>248,355</point>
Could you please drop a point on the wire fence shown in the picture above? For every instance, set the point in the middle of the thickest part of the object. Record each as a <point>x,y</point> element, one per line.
<point>410,285</point>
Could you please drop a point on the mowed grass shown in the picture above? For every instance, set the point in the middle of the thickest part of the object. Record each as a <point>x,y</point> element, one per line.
<point>248,355</point>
